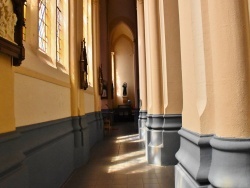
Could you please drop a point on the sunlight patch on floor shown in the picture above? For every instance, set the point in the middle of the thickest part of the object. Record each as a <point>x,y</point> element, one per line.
<point>127,136</point>
<point>136,141</point>
<point>130,138</point>
<point>129,155</point>
<point>127,164</point>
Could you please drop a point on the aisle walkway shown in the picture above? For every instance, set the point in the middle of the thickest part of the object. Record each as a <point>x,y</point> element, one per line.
<point>119,162</point>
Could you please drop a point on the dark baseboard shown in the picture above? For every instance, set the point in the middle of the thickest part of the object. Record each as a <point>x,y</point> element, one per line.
<point>12,170</point>
<point>45,154</point>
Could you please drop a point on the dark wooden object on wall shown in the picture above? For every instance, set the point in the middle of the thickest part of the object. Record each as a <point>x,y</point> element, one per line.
<point>16,51</point>
<point>83,67</point>
<point>100,81</point>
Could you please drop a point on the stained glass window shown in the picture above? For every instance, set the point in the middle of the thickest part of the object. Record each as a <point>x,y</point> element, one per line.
<point>42,26</point>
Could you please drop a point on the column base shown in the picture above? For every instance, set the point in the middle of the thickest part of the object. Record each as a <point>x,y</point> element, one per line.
<point>195,155</point>
<point>184,180</point>
<point>142,124</point>
<point>230,165</point>
<point>162,143</point>
<point>162,147</point>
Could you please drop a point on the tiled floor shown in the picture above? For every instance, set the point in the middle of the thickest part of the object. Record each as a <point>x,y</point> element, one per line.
<point>119,162</point>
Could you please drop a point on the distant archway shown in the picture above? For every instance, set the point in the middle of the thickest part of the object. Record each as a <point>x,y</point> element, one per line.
<point>122,63</point>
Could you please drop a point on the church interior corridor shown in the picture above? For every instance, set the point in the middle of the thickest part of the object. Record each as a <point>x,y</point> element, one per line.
<point>125,93</point>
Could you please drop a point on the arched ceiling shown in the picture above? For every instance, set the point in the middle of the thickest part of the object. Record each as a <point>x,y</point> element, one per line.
<point>119,30</point>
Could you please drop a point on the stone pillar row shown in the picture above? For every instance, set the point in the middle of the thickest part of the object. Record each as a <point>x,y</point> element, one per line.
<point>194,91</point>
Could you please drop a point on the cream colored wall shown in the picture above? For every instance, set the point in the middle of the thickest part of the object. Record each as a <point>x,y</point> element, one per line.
<point>39,101</point>
<point>7,119</point>
<point>89,102</point>
<point>124,72</point>
<point>42,92</point>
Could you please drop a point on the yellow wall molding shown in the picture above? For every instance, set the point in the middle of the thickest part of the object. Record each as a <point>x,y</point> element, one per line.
<point>40,76</point>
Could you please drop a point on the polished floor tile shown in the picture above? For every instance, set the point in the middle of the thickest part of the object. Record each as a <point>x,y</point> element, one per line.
<point>119,162</point>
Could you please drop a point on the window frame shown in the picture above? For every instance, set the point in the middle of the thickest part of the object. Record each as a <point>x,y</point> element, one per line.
<point>59,32</point>
<point>44,22</point>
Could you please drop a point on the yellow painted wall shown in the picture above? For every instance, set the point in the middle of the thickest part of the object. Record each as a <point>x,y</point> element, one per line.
<point>7,119</point>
